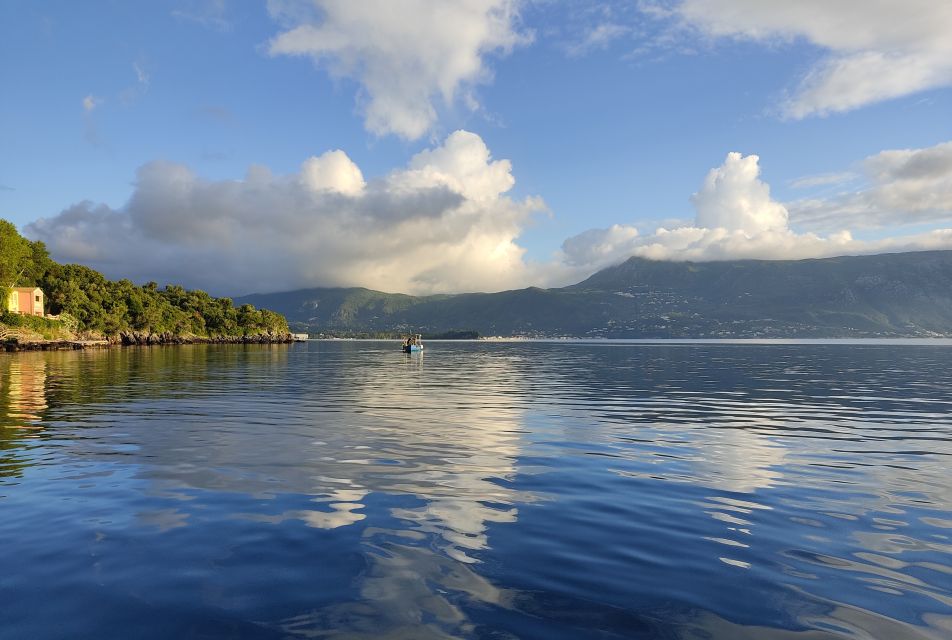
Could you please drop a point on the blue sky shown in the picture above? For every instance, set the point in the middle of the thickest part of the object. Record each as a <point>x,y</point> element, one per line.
<point>129,129</point>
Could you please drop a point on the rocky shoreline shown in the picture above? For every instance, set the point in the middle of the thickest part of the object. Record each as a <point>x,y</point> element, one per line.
<point>130,338</point>
<point>135,338</point>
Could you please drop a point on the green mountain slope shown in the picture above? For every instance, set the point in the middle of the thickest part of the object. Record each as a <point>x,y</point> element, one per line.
<point>903,294</point>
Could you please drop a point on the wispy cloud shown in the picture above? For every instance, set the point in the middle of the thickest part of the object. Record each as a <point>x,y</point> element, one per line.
<point>211,14</point>
<point>141,75</point>
<point>596,37</point>
<point>132,93</point>
<point>823,180</point>
<point>91,130</point>
<point>905,186</point>
<point>874,51</point>
<point>90,102</point>
<point>216,113</point>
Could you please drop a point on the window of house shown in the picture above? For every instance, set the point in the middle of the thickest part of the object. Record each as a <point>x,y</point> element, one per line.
<point>37,298</point>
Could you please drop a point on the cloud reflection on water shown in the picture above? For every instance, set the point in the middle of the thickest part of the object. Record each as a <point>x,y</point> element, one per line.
<point>378,495</point>
<point>320,447</point>
<point>420,568</point>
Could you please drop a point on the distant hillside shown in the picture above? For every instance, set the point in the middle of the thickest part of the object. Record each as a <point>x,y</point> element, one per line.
<point>901,294</point>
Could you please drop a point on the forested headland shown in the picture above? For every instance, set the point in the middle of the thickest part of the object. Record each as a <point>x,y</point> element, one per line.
<point>85,305</point>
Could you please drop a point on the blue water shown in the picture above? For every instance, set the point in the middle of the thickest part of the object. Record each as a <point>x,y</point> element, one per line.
<point>478,490</point>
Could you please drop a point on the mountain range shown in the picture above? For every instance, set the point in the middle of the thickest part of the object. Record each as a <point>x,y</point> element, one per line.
<point>887,295</point>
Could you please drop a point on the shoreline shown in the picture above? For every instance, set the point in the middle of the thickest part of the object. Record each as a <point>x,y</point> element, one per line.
<point>159,340</point>
<point>898,341</point>
<point>137,339</point>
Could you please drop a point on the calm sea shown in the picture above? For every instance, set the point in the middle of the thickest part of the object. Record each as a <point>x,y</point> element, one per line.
<point>479,490</point>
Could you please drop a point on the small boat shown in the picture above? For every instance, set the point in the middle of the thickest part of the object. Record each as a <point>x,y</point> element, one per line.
<point>413,343</point>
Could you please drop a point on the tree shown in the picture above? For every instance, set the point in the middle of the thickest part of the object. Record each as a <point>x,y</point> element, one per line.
<point>36,265</point>
<point>15,250</point>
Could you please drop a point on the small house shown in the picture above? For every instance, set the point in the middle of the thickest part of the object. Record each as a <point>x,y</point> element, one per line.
<point>26,301</point>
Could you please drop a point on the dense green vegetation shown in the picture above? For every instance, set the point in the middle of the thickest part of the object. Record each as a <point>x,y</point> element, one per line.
<point>21,261</point>
<point>91,303</point>
<point>889,295</point>
<point>48,329</point>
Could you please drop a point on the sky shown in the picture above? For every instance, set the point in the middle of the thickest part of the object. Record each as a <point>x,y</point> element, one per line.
<point>470,145</point>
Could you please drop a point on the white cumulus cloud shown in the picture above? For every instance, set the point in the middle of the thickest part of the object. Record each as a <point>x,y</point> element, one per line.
<point>736,218</point>
<point>333,171</point>
<point>733,198</point>
<point>444,223</point>
<point>462,164</point>
<point>875,49</point>
<point>409,56</point>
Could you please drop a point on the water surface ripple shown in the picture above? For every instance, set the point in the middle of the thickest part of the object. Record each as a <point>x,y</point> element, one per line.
<point>479,490</point>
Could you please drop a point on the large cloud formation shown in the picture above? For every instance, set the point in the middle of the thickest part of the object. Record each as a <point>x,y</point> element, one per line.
<point>875,49</point>
<point>404,53</point>
<point>444,223</point>
<point>906,186</point>
<point>735,216</point>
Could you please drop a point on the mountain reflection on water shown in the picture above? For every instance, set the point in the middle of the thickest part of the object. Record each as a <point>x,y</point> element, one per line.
<point>526,490</point>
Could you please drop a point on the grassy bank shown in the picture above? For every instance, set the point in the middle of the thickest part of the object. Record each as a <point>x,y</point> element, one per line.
<point>21,328</point>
